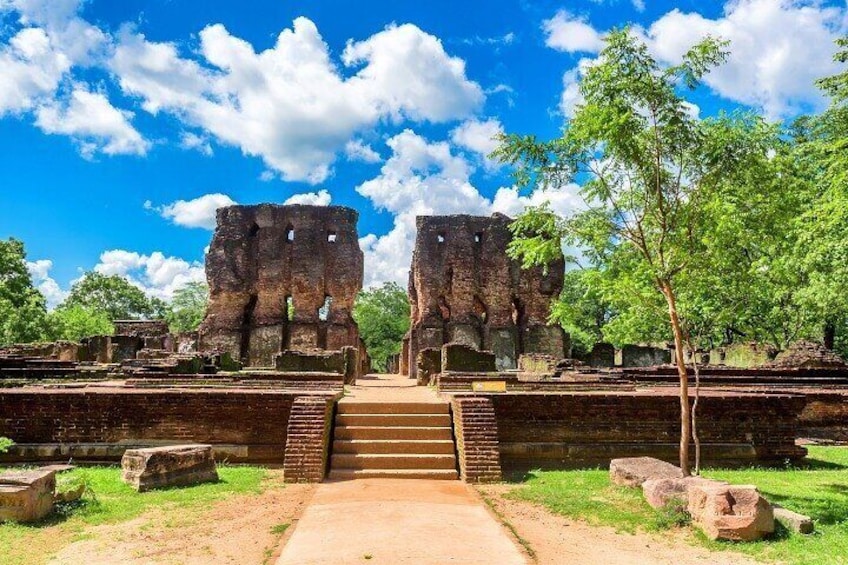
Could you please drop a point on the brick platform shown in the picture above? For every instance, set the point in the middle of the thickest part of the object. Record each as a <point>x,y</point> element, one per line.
<point>476,431</point>
<point>308,439</point>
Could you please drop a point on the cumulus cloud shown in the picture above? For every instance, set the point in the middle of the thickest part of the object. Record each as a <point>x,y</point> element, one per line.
<point>189,140</point>
<point>479,137</point>
<point>572,34</point>
<point>40,273</point>
<point>157,275</point>
<point>38,64</point>
<point>426,178</point>
<point>289,104</point>
<point>320,198</point>
<point>196,213</point>
<point>357,150</point>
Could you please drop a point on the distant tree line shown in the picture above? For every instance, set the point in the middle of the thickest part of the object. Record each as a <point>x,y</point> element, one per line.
<point>94,302</point>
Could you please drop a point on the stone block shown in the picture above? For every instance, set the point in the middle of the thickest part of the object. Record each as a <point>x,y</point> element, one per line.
<point>303,337</point>
<point>602,355</point>
<point>26,496</point>
<point>265,343</point>
<point>663,492</point>
<point>466,334</point>
<point>793,521</point>
<point>735,513</point>
<point>315,361</point>
<point>174,465</point>
<point>503,342</point>
<point>633,471</point>
<point>428,364</point>
<point>458,357</point>
<point>644,356</point>
<point>125,347</point>
<point>537,363</point>
<point>550,340</point>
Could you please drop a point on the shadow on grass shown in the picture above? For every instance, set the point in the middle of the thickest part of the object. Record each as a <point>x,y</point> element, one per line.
<point>62,511</point>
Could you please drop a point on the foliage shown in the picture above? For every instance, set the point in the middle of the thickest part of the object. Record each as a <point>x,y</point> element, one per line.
<point>113,295</point>
<point>5,444</point>
<point>188,307</point>
<point>74,322</point>
<point>23,310</point>
<point>382,314</point>
<point>816,488</point>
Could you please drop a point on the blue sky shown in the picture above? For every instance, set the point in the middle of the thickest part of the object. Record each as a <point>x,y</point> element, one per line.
<point>124,124</point>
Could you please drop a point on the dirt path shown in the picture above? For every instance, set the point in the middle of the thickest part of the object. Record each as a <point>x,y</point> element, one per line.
<point>555,539</point>
<point>244,529</point>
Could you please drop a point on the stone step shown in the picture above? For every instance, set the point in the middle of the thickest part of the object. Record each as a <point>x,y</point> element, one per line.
<point>443,446</point>
<point>379,432</point>
<point>392,461</point>
<point>357,407</point>
<point>394,420</point>
<point>349,474</point>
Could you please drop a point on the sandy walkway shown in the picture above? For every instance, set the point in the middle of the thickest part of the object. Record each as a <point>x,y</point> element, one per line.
<point>555,539</point>
<point>393,521</point>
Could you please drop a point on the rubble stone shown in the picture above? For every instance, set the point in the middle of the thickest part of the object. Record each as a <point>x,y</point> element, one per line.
<point>660,493</point>
<point>26,496</point>
<point>633,471</point>
<point>793,520</point>
<point>736,513</point>
<point>459,357</point>
<point>173,465</point>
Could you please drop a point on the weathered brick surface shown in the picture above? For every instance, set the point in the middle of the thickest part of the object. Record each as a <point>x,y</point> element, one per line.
<point>556,430</point>
<point>476,432</point>
<point>308,440</point>
<point>251,425</point>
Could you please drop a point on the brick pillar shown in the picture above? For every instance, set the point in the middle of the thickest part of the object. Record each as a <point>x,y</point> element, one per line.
<point>308,439</point>
<point>476,432</point>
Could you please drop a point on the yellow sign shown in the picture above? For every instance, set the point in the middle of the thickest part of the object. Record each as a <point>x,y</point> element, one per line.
<point>488,386</point>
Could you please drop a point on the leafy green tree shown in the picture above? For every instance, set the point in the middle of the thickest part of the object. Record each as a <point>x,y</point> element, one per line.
<point>188,307</point>
<point>23,311</point>
<point>75,322</point>
<point>5,444</point>
<point>645,168</point>
<point>113,295</point>
<point>382,314</point>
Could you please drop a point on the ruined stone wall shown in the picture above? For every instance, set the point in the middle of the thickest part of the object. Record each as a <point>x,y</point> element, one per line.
<point>266,260</point>
<point>463,288</point>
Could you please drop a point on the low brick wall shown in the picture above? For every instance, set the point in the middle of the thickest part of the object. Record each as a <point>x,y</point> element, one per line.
<point>476,432</point>
<point>308,439</point>
<point>98,424</point>
<point>561,430</point>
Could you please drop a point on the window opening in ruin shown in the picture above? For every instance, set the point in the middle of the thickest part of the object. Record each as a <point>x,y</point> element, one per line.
<point>324,311</point>
<point>331,236</point>
<point>290,233</point>
<point>478,237</point>
<point>254,229</point>
<point>440,238</point>
<point>480,309</point>
<point>289,308</point>
<point>517,312</point>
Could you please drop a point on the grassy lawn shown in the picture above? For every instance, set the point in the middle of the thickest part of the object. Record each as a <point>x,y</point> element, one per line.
<point>111,501</point>
<point>818,488</point>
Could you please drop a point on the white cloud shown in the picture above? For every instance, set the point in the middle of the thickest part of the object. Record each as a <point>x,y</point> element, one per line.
<point>40,273</point>
<point>320,198</point>
<point>570,33</point>
<point>357,150</point>
<point>479,137</point>
<point>157,275</point>
<point>93,123</point>
<point>778,48</point>
<point>289,104</point>
<point>196,213</point>
<point>190,140</point>
<point>426,178</point>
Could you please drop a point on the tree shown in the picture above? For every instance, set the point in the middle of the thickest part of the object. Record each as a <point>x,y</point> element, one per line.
<point>188,307</point>
<point>111,294</point>
<point>382,314</point>
<point>75,322</point>
<point>23,310</point>
<point>646,166</point>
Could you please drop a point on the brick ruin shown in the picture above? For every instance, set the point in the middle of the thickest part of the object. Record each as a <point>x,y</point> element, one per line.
<point>463,288</point>
<point>282,278</point>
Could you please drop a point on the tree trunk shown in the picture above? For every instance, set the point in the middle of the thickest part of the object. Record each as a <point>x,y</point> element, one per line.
<point>680,360</point>
<point>829,334</point>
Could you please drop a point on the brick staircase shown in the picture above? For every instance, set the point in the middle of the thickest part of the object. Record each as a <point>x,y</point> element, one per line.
<point>412,440</point>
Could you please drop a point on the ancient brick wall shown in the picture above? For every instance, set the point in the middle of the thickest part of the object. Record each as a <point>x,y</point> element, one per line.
<point>142,328</point>
<point>308,440</point>
<point>100,424</point>
<point>476,432</point>
<point>268,260</point>
<point>557,430</point>
<point>463,288</point>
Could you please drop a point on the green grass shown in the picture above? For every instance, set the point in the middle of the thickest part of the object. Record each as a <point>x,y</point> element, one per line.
<point>817,488</point>
<point>109,501</point>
